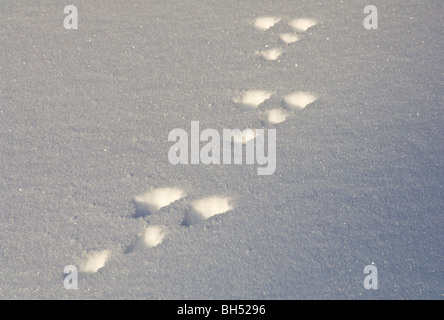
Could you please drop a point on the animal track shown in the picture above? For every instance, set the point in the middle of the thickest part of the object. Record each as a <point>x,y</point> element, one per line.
<point>153,235</point>
<point>270,54</point>
<point>265,23</point>
<point>94,261</point>
<point>275,116</point>
<point>299,100</point>
<point>302,24</point>
<point>149,238</point>
<point>289,37</point>
<point>297,26</point>
<point>252,99</point>
<point>201,210</point>
<point>155,199</point>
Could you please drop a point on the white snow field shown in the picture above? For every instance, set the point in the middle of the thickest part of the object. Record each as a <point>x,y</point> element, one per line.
<point>84,121</point>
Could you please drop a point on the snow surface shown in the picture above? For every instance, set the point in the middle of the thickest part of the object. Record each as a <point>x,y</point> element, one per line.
<point>84,122</point>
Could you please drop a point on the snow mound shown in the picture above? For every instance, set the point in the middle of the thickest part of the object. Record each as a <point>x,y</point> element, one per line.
<point>271,54</point>
<point>302,24</point>
<point>155,199</point>
<point>252,98</point>
<point>201,210</point>
<point>265,23</point>
<point>299,100</point>
<point>94,261</point>
<point>150,237</point>
<point>288,37</point>
<point>275,116</point>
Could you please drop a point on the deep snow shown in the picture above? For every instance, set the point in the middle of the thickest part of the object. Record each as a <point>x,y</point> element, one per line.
<point>84,122</point>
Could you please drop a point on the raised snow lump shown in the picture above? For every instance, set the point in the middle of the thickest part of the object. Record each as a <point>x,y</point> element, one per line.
<point>156,199</point>
<point>201,210</point>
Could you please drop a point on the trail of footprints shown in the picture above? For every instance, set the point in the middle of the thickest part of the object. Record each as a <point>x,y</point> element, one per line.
<point>293,101</point>
<point>158,198</point>
<point>150,203</point>
<point>200,210</point>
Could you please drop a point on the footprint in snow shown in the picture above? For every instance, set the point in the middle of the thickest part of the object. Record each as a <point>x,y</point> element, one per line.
<point>266,22</point>
<point>155,199</point>
<point>93,261</point>
<point>289,37</point>
<point>274,116</point>
<point>297,26</point>
<point>201,210</point>
<point>299,100</point>
<point>302,24</point>
<point>270,54</point>
<point>150,237</point>
<point>250,100</point>
<point>198,210</point>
